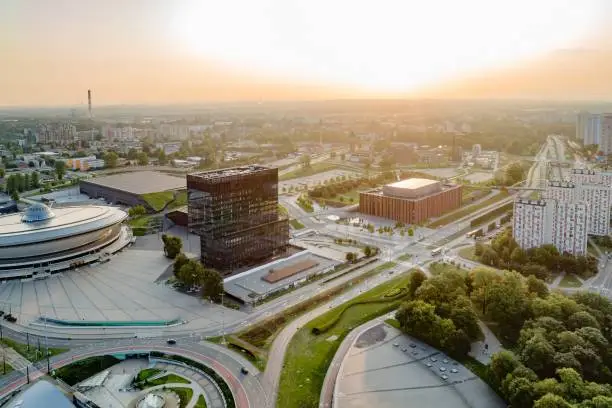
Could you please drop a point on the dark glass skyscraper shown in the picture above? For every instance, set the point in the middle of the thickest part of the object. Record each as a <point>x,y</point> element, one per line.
<point>235,213</point>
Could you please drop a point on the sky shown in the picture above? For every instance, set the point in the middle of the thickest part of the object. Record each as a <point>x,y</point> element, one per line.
<point>186,51</point>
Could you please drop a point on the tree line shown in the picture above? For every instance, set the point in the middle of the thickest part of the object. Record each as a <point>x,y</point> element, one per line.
<point>542,262</point>
<point>558,347</point>
<point>190,273</point>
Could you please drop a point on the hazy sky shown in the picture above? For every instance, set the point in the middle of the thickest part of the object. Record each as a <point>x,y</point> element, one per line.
<point>169,51</point>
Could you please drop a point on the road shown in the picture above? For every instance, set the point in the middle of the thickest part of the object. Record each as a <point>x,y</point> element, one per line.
<point>247,389</point>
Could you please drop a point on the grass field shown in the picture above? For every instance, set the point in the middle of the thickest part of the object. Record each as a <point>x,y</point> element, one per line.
<point>32,354</point>
<point>140,222</point>
<point>185,394</point>
<point>179,201</point>
<point>308,356</point>
<point>405,257</point>
<point>468,253</point>
<point>296,224</point>
<point>570,281</point>
<point>147,373</point>
<point>201,402</point>
<point>303,172</point>
<point>168,379</point>
<point>158,201</point>
<point>465,211</point>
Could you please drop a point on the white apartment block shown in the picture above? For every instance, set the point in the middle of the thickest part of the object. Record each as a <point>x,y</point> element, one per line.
<point>569,227</point>
<point>533,224</point>
<point>598,197</point>
<point>586,176</point>
<point>605,142</point>
<point>562,224</point>
<point>560,191</point>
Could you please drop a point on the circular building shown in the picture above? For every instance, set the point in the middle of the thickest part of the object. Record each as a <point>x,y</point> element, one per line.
<point>41,240</point>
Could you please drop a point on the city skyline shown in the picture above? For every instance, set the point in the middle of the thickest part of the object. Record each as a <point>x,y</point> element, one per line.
<point>188,52</point>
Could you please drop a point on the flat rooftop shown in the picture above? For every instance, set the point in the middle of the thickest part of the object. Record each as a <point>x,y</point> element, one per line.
<point>413,183</point>
<point>255,283</point>
<point>140,182</point>
<point>385,368</point>
<point>232,171</point>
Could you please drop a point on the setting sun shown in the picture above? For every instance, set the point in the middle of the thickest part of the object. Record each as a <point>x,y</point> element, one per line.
<point>389,45</point>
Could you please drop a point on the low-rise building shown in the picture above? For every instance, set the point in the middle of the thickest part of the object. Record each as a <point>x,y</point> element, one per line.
<point>411,201</point>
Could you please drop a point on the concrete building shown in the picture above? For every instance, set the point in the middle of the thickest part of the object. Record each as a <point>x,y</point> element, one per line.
<point>84,163</point>
<point>476,150</point>
<point>411,201</point>
<point>533,222</point>
<point>605,144</point>
<point>569,226</point>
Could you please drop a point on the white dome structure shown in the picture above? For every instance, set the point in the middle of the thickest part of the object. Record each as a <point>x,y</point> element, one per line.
<point>37,212</point>
<point>40,240</point>
<point>152,400</point>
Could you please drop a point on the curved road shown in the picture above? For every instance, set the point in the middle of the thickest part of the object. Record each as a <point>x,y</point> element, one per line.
<point>247,389</point>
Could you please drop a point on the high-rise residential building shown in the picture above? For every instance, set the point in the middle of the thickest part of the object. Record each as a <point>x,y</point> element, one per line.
<point>592,135</point>
<point>581,124</point>
<point>235,213</point>
<point>605,143</point>
<point>533,222</point>
<point>569,226</point>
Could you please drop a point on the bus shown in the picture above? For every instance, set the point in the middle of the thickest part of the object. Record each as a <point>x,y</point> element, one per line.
<point>437,251</point>
<point>475,234</point>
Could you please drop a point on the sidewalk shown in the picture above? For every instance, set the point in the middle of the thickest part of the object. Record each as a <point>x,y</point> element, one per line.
<point>483,350</point>
<point>14,359</point>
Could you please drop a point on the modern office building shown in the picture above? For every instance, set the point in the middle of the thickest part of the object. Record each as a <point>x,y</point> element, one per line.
<point>235,213</point>
<point>411,201</point>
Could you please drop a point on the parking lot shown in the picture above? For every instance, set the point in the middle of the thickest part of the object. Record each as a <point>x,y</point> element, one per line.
<point>385,368</point>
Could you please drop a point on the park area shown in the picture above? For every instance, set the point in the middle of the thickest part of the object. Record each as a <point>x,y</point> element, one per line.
<point>309,354</point>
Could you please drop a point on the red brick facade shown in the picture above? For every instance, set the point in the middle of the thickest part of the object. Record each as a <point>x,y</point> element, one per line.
<point>410,211</point>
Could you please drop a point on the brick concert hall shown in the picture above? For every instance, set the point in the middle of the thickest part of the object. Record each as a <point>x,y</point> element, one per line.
<point>411,201</point>
<point>235,213</point>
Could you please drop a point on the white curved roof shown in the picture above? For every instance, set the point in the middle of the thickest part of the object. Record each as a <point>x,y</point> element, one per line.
<point>37,212</point>
<point>66,221</point>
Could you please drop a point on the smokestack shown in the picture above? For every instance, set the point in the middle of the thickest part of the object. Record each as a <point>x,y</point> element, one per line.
<point>89,101</point>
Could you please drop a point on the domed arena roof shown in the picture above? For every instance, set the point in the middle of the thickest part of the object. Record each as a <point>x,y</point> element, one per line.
<point>37,212</point>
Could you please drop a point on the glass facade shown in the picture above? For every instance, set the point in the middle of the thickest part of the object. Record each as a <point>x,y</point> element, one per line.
<point>235,213</point>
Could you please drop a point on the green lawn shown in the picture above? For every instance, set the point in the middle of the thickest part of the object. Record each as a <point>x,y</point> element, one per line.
<point>167,379</point>
<point>570,281</point>
<point>33,354</point>
<point>309,355</point>
<point>468,253</point>
<point>405,257</point>
<point>296,224</point>
<point>440,267</point>
<point>464,211</point>
<point>303,172</point>
<point>201,402</point>
<point>179,201</point>
<point>147,373</point>
<point>282,211</point>
<point>185,394</point>
<point>158,200</point>
<point>140,222</point>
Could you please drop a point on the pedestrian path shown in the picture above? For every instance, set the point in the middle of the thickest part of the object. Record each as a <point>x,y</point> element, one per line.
<point>483,350</point>
<point>211,393</point>
<point>14,359</point>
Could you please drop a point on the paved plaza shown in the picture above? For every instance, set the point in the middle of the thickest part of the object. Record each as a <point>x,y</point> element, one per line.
<point>123,289</point>
<point>385,368</point>
<point>315,179</point>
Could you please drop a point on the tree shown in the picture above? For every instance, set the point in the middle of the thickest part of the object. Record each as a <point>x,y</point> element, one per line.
<point>60,169</point>
<point>143,159</point>
<point>110,159</point>
<point>172,245</point>
<point>15,195</point>
<point>410,232</point>
<point>2,172</point>
<point>34,180</point>
<point>582,319</point>
<point>514,173</point>
<point>161,157</point>
<point>538,354</point>
<point>508,305</point>
<point>417,278</point>
<point>483,280</point>
<point>503,363</point>
<point>132,154</point>
<point>552,401</point>
<point>305,161</point>
<point>367,251</point>
<point>537,286</point>
<point>212,285</point>
<point>351,257</point>
<point>137,211</point>
<point>180,260</point>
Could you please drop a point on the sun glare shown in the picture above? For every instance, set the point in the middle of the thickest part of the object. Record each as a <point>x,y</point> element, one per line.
<point>383,45</point>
